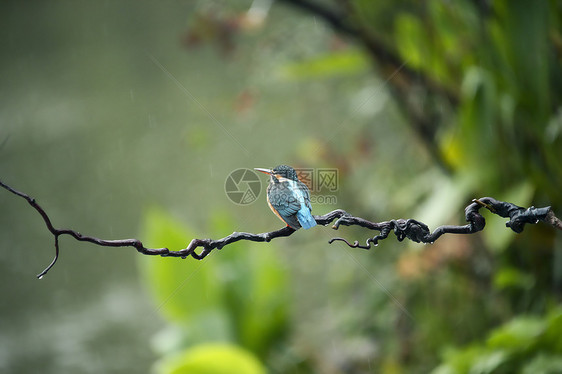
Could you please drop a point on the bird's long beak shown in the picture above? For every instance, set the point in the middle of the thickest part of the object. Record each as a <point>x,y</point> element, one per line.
<point>266,171</point>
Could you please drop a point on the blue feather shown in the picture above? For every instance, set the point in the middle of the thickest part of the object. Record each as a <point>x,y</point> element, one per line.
<point>305,218</point>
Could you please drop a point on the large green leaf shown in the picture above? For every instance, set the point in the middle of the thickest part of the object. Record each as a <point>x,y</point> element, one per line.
<point>256,288</point>
<point>265,314</point>
<point>211,359</point>
<point>183,290</point>
<point>518,334</point>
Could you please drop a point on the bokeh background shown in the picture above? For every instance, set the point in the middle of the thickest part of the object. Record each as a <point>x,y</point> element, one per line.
<point>124,119</point>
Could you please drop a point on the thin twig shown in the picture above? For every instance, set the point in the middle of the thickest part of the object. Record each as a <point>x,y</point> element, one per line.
<point>403,229</point>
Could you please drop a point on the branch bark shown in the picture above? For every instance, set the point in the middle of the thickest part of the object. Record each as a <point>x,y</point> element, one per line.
<point>403,229</point>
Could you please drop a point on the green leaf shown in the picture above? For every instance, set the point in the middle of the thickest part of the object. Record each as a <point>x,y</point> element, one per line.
<point>412,41</point>
<point>522,34</point>
<point>256,289</point>
<point>543,364</point>
<point>448,196</point>
<point>488,363</point>
<point>532,344</point>
<point>211,359</point>
<point>513,278</point>
<point>518,334</point>
<point>459,361</point>
<point>183,290</point>
<point>329,65</point>
<point>265,310</point>
<point>552,337</point>
<point>477,117</point>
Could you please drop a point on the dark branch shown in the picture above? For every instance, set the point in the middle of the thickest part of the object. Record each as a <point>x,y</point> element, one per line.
<point>420,233</point>
<point>402,228</point>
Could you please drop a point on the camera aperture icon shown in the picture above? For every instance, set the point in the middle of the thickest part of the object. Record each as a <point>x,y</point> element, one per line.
<point>242,186</point>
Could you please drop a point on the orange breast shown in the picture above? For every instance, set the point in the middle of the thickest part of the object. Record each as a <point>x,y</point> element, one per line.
<point>276,213</point>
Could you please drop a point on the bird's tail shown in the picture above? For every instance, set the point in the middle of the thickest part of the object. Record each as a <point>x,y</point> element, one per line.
<point>305,218</point>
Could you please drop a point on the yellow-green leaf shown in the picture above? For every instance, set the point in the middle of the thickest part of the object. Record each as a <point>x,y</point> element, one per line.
<point>211,359</point>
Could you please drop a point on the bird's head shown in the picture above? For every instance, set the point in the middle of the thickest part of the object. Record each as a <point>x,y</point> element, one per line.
<point>281,171</point>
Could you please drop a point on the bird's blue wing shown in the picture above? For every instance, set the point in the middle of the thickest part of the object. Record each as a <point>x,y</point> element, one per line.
<point>304,215</point>
<point>305,194</point>
<point>285,204</point>
<point>305,218</point>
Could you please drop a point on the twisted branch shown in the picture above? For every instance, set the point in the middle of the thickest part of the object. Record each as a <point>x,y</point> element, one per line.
<point>409,228</point>
<point>419,232</point>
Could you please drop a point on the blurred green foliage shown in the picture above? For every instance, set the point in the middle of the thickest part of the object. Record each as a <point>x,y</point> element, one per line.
<point>526,344</point>
<point>239,296</point>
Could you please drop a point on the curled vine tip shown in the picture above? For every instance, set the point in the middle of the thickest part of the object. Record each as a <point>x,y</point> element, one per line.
<point>355,243</point>
<point>42,274</point>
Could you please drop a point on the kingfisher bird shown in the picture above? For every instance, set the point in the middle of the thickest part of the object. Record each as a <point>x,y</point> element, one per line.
<point>288,197</point>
